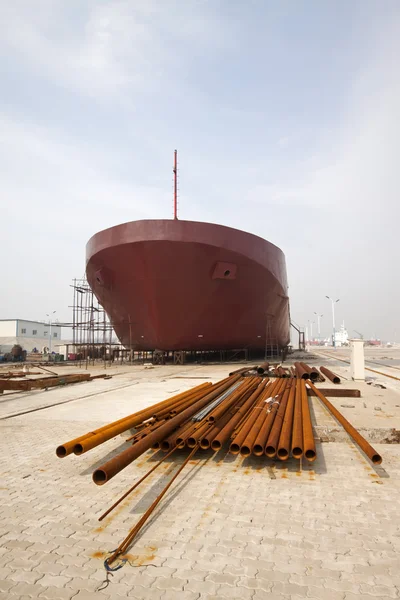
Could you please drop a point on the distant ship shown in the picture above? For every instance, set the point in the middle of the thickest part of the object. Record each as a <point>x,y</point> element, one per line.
<point>181,285</point>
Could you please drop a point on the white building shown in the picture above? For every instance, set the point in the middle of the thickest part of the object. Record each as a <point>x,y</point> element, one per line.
<point>28,334</point>
<point>341,336</point>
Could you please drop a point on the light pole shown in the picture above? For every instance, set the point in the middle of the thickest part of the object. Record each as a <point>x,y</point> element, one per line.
<point>333,319</point>
<point>319,317</point>
<point>51,321</point>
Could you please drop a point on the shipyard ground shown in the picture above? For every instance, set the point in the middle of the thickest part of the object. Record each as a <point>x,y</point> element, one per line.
<point>230,528</point>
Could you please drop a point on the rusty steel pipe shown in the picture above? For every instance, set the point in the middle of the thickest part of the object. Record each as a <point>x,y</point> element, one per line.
<point>301,373</point>
<point>89,443</point>
<point>171,441</point>
<point>273,438</point>
<point>297,432</point>
<point>261,439</point>
<point>308,436</point>
<point>177,406</point>
<point>242,423</point>
<point>105,472</point>
<point>262,412</point>
<point>332,376</point>
<point>241,371</point>
<point>262,368</point>
<point>217,413</point>
<point>227,430</point>
<point>138,417</point>
<point>319,376</point>
<point>353,433</point>
<point>285,437</point>
<point>252,417</point>
<point>195,436</point>
<point>135,530</point>
<point>312,374</point>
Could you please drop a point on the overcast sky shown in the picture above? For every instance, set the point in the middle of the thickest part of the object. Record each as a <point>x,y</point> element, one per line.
<point>286,116</point>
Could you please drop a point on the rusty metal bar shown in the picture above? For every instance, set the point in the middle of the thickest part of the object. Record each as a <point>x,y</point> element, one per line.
<point>301,373</point>
<point>286,431</point>
<point>135,530</point>
<point>228,429</point>
<point>308,436</point>
<point>105,472</point>
<point>261,413</point>
<point>312,374</point>
<point>136,485</point>
<point>353,433</point>
<point>136,418</point>
<point>261,369</point>
<point>336,393</point>
<point>297,434</point>
<point>273,438</point>
<point>319,377</point>
<point>91,442</point>
<point>332,376</point>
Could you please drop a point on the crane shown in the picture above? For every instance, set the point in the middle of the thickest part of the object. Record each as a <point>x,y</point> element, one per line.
<point>358,333</point>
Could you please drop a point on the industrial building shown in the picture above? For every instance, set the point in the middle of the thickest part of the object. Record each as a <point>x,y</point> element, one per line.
<point>28,334</point>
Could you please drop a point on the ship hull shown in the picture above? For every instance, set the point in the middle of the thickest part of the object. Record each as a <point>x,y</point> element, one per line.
<point>182,285</point>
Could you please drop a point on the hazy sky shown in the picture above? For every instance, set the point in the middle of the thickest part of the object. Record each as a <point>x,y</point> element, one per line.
<point>286,116</point>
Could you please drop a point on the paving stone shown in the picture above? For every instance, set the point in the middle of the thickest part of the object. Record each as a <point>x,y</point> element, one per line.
<point>6,585</point>
<point>26,589</point>
<point>226,591</point>
<point>56,593</point>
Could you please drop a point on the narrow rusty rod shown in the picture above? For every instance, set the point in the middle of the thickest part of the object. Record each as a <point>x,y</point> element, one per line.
<point>297,435</point>
<point>285,437</point>
<point>308,436</point>
<point>136,485</point>
<point>135,530</point>
<point>353,433</point>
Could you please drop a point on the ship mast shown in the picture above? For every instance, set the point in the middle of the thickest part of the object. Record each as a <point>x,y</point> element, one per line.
<point>175,170</point>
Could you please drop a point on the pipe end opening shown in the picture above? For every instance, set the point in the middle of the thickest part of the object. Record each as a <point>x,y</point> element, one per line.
<point>376,459</point>
<point>164,446</point>
<point>270,451</point>
<point>283,453</point>
<point>61,451</point>
<point>216,445</point>
<point>204,444</point>
<point>245,451</point>
<point>297,452</point>
<point>234,448</point>
<point>78,449</point>
<point>99,477</point>
<point>310,454</point>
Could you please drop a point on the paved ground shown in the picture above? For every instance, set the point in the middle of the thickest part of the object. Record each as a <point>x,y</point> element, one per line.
<point>230,528</point>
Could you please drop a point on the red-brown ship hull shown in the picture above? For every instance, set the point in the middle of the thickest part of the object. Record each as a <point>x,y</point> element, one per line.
<point>183,285</point>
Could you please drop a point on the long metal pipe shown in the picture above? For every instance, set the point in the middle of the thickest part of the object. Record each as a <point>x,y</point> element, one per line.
<point>354,434</point>
<point>227,430</point>
<point>332,376</point>
<point>135,530</point>
<point>131,489</point>
<point>221,409</point>
<point>262,412</point>
<point>93,441</point>
<point>262,368</point>
<point>141,415</point>
<point>300,371</point>
<point>286,432</point>
<point>312,374</point>
<point>297,432</point>
<point>273,438</point>
<point>253,415</point>
<point>308,436</point>
<point>261,439</point>
<point>108,470</point>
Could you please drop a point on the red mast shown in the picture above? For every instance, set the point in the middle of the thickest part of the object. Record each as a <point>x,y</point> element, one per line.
<point>175,184</point>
